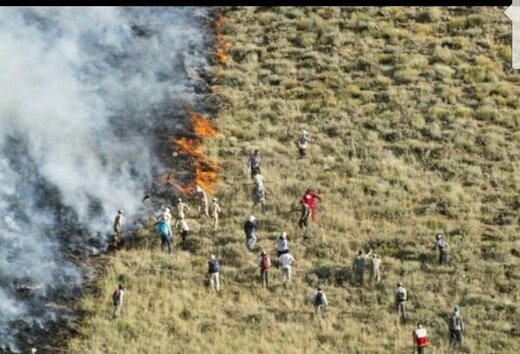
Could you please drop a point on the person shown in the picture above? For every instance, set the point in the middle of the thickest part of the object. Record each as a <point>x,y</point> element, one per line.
<point>259,180</point>
<point>165,234</point>
<point>282,246</point>
<point>456,327</point>
<point>442,245</point>
<point>303,142</point>
<point>118,227</point>
<point>181,208</point>
<point>320,302</point>
<point>117,299</point>
<point>265,265</point>
<point>309,198</point>
<point>213,272</point>
<point>215,211</point>
<point>303,222</point>
<point>358,268</point>
<point>375,273</point>
<point>400,300</point>
<point>259,195</point>
<point>254,163</point>
<point>184,231</point>
<point>286,261</point>
<point>167,217</point>
<point>203,207</point>
<point>420,339</point>
<point>249,229</point>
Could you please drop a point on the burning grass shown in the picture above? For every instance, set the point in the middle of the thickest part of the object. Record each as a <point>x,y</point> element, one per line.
<point>222,45</point>
<point>206,170</point>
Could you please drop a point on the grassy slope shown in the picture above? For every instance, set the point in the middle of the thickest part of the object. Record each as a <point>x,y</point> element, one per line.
<point>414,114</point>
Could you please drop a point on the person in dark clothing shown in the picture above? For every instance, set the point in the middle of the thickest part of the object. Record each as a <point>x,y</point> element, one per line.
<point>254,163</point>
<point>456,327</point>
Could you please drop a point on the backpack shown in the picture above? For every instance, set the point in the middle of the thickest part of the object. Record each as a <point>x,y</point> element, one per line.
<point>401,294</point>
<point>213,266</point>
<point>318,300</point>
<point>163,228</point>
<point>265,263</point>
<point>456,322</point>
<point>116,296</point>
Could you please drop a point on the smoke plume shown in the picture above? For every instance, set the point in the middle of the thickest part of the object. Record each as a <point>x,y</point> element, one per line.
<point>83,95</point>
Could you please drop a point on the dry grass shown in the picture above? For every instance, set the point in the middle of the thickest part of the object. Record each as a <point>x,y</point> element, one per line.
<point>415,118</point>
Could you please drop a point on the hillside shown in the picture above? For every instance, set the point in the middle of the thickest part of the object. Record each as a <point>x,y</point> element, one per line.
<point>415,120</point>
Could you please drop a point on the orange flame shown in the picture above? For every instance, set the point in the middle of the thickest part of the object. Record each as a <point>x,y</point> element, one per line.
<point>202,127</point>
<point>206,169</point>
<point>223,45</point>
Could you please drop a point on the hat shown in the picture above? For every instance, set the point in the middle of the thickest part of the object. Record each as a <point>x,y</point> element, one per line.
<point>212,257</point>
<point>304,132</point>
<point>166,210</point>
<point>439,236</point>
<point>252,218</point>
<point>215,199</point>
<point>283,235</point>
<point>179,200</point>
<point>263,253</point>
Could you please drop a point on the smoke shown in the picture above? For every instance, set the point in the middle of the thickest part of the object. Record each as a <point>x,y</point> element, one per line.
<point>83,94</point>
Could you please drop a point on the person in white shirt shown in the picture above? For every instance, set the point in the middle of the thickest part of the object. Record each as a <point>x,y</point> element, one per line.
<point>203,207</point>
<point>286,261</point>
<point>184,230</point>
<point>282,245</point>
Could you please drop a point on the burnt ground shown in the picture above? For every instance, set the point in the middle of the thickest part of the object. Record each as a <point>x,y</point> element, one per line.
<point>88,253</point>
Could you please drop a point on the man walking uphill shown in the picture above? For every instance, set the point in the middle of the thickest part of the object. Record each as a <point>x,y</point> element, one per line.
<point>420,339</point>
<point>117,299</point>
<point>215,211</point>
<point>118,227</point>
<point>214,273</point>
<point>456,327</point>
<point>358,268</point>
<point>165,234</point>
<point>400,301</point>
<point>442,245</point>
<point>320,302</point>
<point>249,229</point>
<point>303,143</point>
<point>203,207</point>
<point>265,265</point>
<point>254,163</point>
<point>309,198</point>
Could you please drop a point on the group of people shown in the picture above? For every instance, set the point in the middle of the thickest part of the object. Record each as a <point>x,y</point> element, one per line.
<point>285,259</point>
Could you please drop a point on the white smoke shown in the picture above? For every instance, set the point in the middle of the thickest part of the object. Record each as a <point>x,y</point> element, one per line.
<point>82,93</point>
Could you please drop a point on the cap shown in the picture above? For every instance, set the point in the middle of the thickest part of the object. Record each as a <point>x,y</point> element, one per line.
<point>215,199</point>
<point>263,253</point>
<point>212,257</point>
<point>439,236</point>
<point>284,234</point>
<point>166,210</point>
<point>179,200</point>
<point>252,218</point>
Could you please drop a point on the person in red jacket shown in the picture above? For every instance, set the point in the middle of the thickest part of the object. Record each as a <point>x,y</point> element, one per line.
<point>308,198</point>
